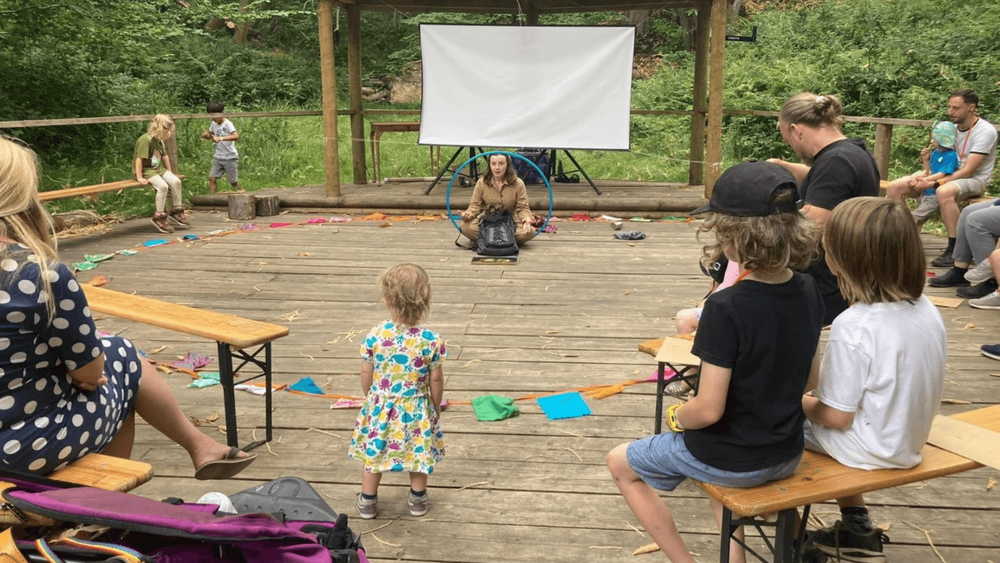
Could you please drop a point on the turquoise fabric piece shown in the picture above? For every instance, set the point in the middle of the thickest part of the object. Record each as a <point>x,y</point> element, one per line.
<point>306,385</point>
<point>207,379</point>
<point>565,405</point>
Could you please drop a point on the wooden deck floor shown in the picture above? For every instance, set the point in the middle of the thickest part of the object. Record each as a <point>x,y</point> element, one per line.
<point>570,314</point>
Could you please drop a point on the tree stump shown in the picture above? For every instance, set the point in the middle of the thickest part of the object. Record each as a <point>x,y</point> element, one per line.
<point>267,205</point>
<point>242,207</point>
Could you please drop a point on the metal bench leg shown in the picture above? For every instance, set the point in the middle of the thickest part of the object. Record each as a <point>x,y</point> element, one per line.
<point>660,385</point>
<point>728,529</point>
<point>228,393</point>
<point>227,376</point>
<point>785,536</point>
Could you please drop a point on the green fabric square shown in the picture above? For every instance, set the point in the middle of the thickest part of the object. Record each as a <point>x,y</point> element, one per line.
<point>490,408</point>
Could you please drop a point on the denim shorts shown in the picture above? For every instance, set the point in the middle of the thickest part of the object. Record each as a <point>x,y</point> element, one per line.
<point>812,444</point>
<point>663,461</point>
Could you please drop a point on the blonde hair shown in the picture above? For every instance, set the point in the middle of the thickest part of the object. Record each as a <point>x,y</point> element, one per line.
<point>406,291</point>
<point>812,110</point>
<point>22,217</point>
<point>766,244</point>
<point>873,246</point>
<point>160,126</point>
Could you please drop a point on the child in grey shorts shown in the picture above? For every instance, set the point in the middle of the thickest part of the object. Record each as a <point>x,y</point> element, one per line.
<point>224,135</point>
<point>759,345</point>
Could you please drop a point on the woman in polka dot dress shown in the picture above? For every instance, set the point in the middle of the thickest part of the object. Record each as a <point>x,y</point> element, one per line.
<point>64,391</point>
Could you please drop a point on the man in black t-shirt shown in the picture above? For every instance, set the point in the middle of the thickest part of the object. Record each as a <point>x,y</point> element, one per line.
<point>835,169</point>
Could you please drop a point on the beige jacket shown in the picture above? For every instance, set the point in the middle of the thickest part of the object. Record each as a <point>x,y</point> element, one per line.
<point>513,198</point>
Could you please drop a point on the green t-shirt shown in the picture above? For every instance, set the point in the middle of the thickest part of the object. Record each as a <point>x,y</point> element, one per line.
<point>146,148</point>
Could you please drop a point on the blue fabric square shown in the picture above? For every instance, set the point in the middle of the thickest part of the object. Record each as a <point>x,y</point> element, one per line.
<point>565,405</point>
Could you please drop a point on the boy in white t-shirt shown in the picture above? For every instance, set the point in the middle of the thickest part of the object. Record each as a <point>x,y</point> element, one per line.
<point>224,135</point>
<point>882,373</point>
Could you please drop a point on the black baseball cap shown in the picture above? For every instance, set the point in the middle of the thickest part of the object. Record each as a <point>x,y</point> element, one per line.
<point>750,189</point>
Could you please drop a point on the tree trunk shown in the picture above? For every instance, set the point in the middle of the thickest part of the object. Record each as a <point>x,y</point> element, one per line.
<point>638,19</point>
<point>687,28</point>
<point>267,205</point>
<point>241,29</point>
<point>242,207</point>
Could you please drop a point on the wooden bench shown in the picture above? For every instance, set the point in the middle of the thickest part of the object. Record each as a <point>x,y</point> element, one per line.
<point>91,191</point>
<point>232,334</point>
<point>818,478</point>
<point>93,470</point>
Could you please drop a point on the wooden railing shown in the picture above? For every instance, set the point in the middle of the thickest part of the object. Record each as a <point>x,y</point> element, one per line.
<point>881,150</point>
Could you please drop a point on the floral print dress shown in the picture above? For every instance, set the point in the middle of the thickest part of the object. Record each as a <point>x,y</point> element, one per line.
<point>397,429</point>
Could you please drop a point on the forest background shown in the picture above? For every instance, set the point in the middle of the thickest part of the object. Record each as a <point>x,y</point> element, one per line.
<point>92,58</point>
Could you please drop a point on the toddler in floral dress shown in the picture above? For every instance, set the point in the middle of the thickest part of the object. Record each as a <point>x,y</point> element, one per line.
<point>398,428</point>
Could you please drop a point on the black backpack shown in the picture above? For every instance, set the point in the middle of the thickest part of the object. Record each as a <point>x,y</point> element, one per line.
<point>496,235</point>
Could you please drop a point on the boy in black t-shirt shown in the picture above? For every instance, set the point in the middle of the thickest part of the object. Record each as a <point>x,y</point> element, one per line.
<point>758,341</point>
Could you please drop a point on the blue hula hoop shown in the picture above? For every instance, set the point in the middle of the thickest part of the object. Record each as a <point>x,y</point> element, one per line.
<point>487,155</point>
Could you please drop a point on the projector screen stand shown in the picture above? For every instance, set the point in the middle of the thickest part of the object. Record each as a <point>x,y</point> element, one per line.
<point>579,168</point>
<point>473,173</point>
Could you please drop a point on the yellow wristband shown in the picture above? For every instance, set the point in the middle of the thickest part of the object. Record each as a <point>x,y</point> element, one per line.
<point>672,422</point>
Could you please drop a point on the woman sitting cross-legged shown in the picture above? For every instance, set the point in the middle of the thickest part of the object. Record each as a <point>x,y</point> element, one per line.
<point>500,190</point>
<point>68,392</point>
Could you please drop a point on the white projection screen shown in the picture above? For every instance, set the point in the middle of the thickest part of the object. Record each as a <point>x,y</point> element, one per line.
<point>509,86</point>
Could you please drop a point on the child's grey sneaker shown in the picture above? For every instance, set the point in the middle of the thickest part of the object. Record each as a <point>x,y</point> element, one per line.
<point>991,301</point>
<point>367,509</point>
<point>417,505</point>
<point>982,272</point>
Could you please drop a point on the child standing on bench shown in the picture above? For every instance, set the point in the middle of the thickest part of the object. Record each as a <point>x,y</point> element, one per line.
<point>758,341</point>
<point>223,133</point>
<point>151,166</point>
<point>398,426</point>
<point>883,369</point>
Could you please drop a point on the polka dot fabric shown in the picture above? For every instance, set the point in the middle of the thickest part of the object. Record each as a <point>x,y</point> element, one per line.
<point>45,421</point>
<point>398,428</point>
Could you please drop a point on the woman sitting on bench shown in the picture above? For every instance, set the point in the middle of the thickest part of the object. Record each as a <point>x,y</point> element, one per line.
<point>67,391</point>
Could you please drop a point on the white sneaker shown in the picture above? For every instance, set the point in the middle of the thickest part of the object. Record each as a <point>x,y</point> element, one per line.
<point>991,301</point>
<point>982,272</point>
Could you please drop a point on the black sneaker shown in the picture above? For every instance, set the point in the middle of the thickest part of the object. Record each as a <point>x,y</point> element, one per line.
<point>943,261</point>
<point>951,278</point>
<point>843,543</point>
<point>978,290</point>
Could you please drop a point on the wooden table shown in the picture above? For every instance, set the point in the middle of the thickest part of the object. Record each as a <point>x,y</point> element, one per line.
<point>673,351</point>
<point>375,136</point>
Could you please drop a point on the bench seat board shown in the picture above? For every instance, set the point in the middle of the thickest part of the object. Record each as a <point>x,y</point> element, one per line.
<point>230,329</point>
<point>820,478</point>
<point>91,190</point>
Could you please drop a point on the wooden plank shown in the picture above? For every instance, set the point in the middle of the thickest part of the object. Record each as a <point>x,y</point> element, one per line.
<point>696,154</point>
<point>236,331</point>
<point>949,302</point>
<point>967,440</point>
<point>820,478</point>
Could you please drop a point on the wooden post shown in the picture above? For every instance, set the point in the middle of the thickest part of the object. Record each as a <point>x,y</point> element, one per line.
<point>696,169</point>
<point>716,73</point>
<point>354,87</point>
<point>170,146</point>
<point>331,160</point>
<point>883,144</point>
<point>532,12</point>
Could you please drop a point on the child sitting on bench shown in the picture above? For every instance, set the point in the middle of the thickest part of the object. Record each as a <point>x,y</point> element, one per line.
<point>883,369</point>
<point>758,341</point>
